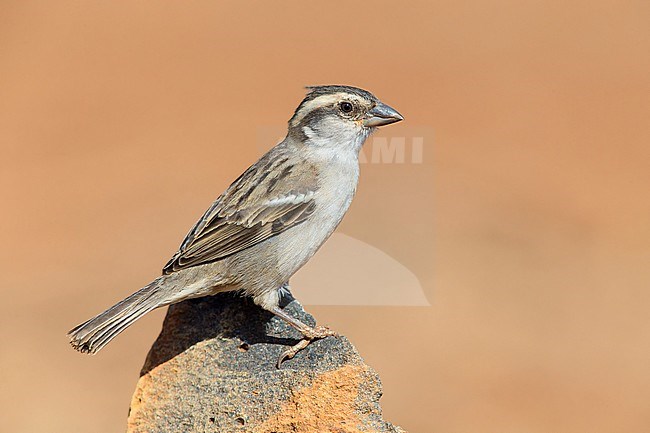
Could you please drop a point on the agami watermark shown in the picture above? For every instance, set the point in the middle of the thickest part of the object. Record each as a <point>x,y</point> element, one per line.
<point>347,270</point>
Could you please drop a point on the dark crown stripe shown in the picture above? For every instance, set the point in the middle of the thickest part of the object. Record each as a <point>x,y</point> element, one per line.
<point>314,92</point>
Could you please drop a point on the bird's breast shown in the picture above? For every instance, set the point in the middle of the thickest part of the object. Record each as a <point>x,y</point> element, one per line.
<point>337,184</point>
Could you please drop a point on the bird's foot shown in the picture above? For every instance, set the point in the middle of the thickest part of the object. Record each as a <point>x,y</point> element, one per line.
<point>318,332</point>
<point>311,334</point>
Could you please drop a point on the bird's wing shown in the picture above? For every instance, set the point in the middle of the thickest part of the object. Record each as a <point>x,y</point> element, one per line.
<point>270,197</point>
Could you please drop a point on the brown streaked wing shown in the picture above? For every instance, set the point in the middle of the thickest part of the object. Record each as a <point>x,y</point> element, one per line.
<point>269,198</point>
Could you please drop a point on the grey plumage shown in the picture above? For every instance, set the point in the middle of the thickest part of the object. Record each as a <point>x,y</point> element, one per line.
<point>269,222</point>
<point>93,334</point>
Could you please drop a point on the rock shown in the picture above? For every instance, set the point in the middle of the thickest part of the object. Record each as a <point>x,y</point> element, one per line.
<point>213,369</point>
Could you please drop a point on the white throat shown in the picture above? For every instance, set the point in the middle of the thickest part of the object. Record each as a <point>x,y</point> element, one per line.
<point>339,140</point>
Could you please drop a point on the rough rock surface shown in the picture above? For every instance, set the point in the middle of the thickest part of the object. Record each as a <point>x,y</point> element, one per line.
<point>212,369</point>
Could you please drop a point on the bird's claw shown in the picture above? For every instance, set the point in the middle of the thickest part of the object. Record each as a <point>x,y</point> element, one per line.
<point>311,334</point>
<point>291,352</point>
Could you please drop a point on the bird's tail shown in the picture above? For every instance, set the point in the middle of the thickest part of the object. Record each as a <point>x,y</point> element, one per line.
<point>93,334</point>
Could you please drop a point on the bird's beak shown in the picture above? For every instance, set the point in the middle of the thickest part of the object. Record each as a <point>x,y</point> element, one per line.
<point>380,115</point>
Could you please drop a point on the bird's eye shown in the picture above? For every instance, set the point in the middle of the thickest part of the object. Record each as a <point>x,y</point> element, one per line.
<point>346,107</point>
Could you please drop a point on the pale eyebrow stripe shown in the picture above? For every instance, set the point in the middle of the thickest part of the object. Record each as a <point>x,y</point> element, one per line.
<point>320,101</point>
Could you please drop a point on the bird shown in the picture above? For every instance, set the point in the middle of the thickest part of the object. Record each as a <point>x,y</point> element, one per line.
<point>268,223</point>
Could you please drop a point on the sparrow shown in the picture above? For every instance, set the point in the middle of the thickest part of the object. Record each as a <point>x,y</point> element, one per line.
<point>269,222</point>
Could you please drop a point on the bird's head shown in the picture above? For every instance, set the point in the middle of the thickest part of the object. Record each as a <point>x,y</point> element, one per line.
<point>336,116</point>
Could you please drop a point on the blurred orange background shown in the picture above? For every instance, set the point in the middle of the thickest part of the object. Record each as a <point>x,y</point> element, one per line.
<point>527,223</point>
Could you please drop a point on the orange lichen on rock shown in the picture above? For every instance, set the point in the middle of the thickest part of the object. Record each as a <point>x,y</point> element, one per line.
<point>328,405</point>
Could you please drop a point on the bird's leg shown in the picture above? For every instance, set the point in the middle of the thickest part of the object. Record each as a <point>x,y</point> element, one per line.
<point>307,331</point>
